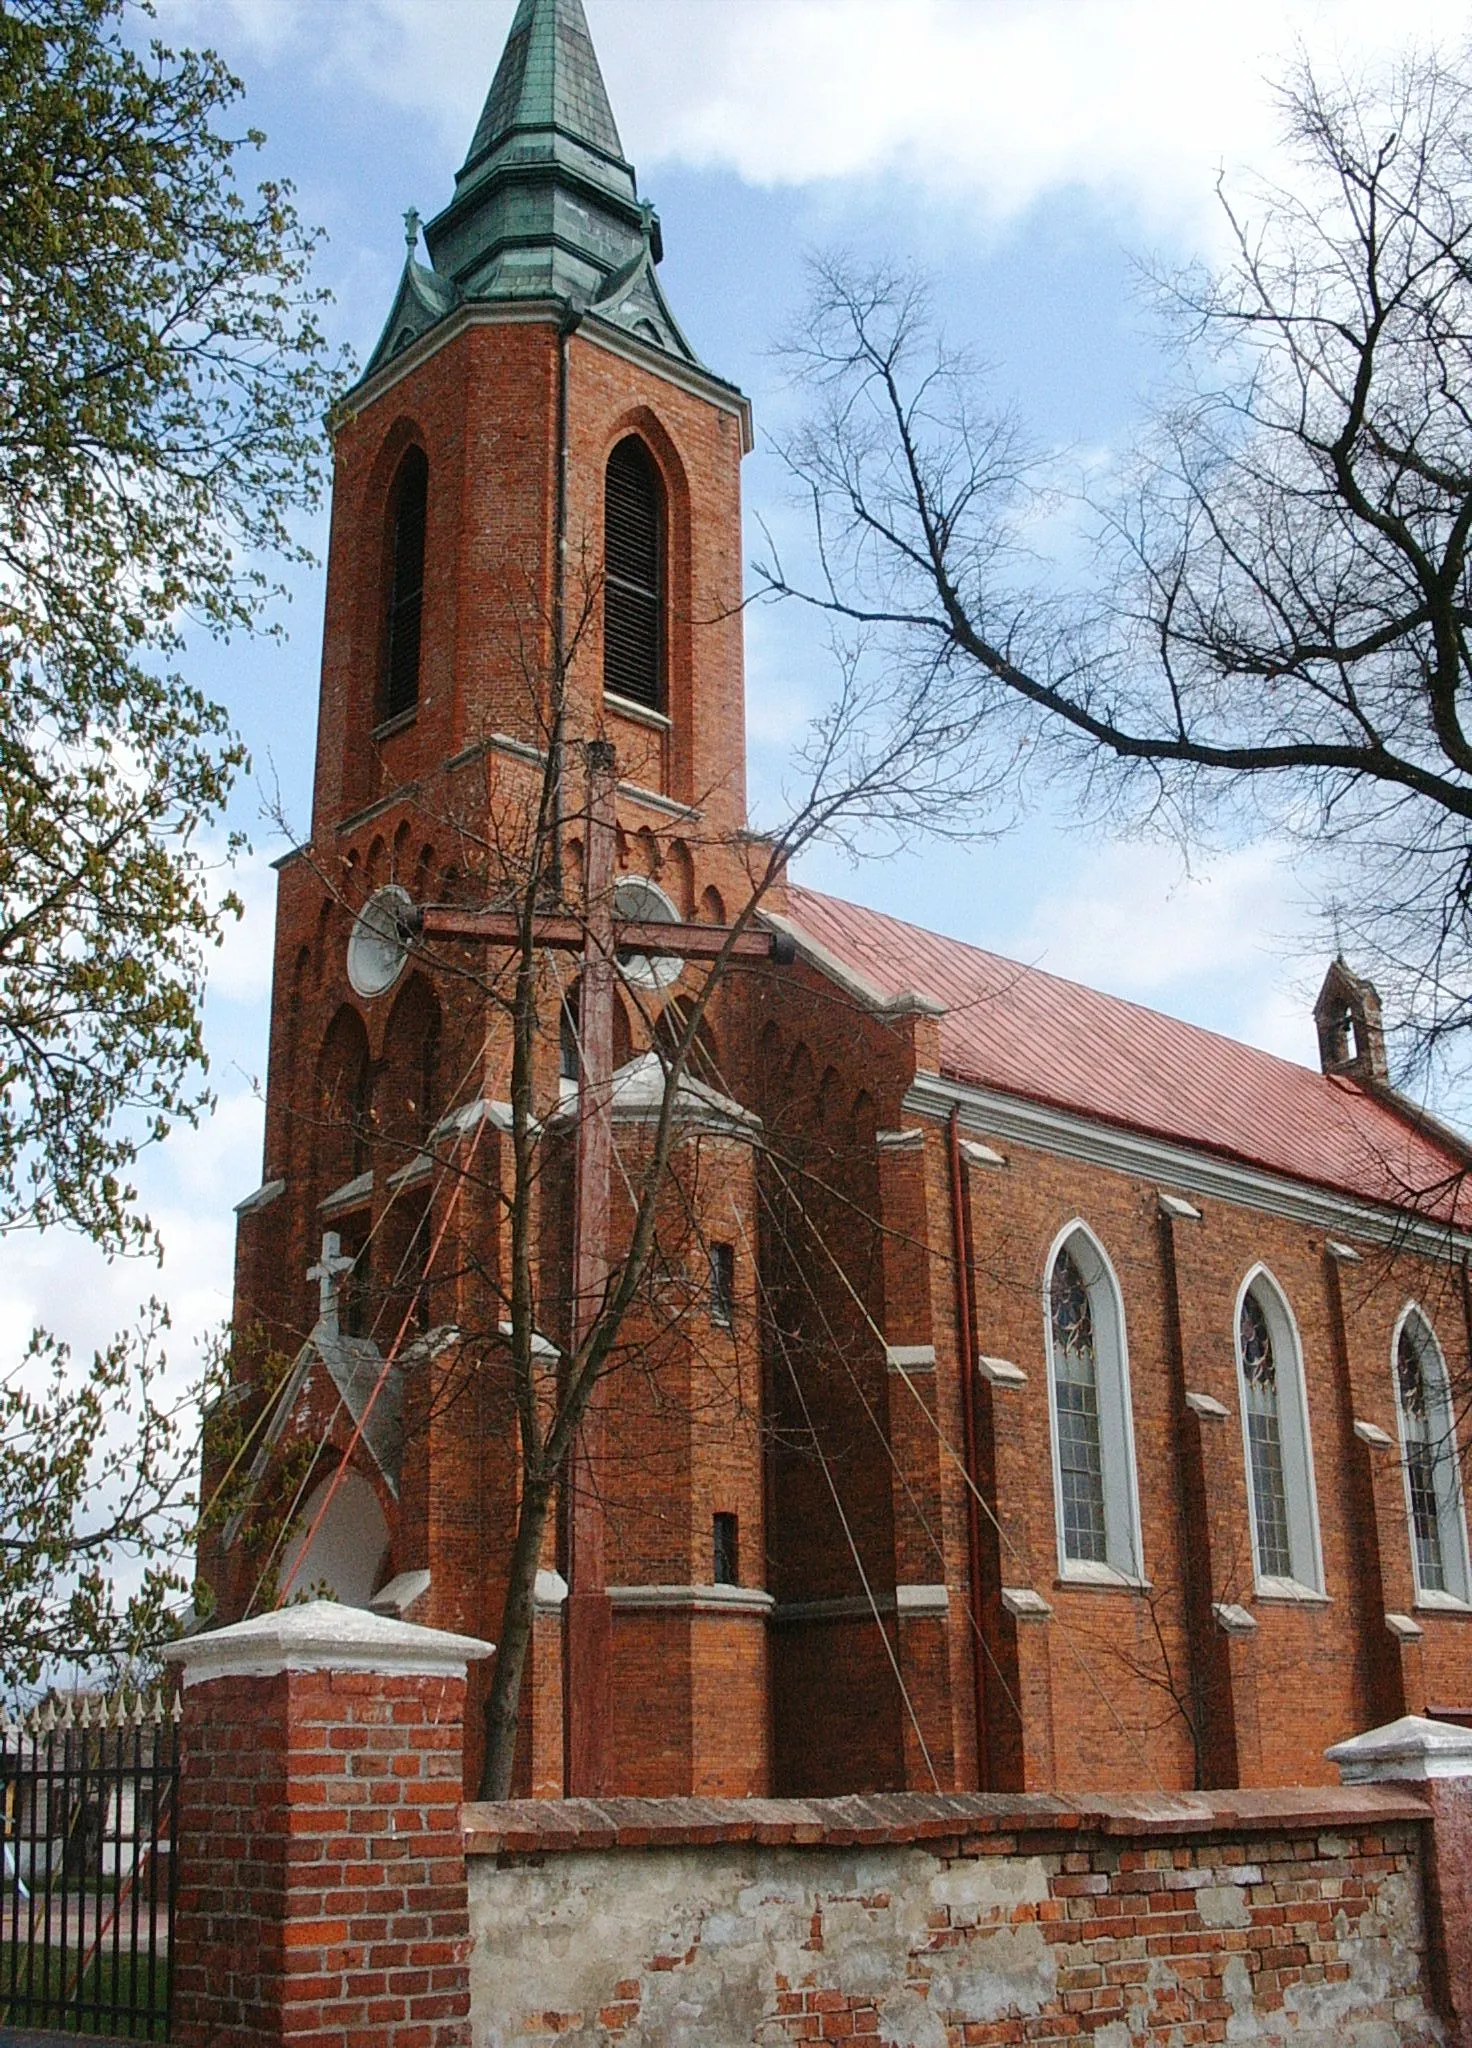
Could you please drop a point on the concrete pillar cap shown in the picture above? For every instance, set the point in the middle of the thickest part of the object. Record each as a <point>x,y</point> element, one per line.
<point>1411,1748</point>
<point>321,1635</point>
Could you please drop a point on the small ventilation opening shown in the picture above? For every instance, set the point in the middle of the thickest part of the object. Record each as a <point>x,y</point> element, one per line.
<point>724,1559</point>
<point>569,1058</point>
<point>722,1284</point>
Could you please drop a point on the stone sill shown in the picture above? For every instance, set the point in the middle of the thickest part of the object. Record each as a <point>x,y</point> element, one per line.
<point>542,1827</point>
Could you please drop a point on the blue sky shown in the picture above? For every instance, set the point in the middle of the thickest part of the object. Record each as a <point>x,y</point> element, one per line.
<point>1025,152</point>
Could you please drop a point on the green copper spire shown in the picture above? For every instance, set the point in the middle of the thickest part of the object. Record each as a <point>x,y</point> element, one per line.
<point>549,79</point>
<point>546,206</point>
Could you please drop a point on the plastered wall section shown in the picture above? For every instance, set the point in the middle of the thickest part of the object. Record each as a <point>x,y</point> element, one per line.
<point>951,1921</point>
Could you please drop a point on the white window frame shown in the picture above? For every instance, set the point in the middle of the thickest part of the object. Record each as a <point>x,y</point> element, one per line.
<point>1125,1564</point>
<point>1300,1489</point>
<point>1451,1512</point>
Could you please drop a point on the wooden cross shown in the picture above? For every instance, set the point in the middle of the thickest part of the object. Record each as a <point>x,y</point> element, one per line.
<point>601,935</point>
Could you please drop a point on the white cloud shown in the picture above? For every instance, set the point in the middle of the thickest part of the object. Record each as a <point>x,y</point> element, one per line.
<point>1218,946</point>
<point>240,971</point>
<point>992,102</point>
<point>188,1185</point>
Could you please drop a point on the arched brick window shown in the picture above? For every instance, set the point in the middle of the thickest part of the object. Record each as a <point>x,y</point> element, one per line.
<point>1089,1405</point>
<point>633,577</point>
<point>1433,1473</point>
<point>1280,1471</point>
<point>409,504</point>
<point>344,1120</point>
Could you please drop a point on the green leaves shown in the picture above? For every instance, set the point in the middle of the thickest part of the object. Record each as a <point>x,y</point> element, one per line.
<point>163,376</point>
<point>90,1477</point>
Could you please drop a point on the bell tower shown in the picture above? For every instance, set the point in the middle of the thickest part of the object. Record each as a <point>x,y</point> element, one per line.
<point>533,456</point>
<point>536,495</point>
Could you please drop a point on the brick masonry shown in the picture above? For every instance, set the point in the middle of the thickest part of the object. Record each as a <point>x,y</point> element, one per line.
<point>843,1245</point>
<point>954,1922</point>
<point>322,1896</point>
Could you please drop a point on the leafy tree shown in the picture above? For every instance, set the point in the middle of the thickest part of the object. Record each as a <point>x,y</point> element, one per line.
<point>1282,612</point>
<point>90,1479</point>
<point>162,377</point>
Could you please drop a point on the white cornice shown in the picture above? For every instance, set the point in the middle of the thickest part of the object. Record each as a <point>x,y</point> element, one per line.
<point>1413,1748</point>
<point>692,1599</point>
<point>551,313</point>
<point>323,1636</point>
<point>1068,1135</point>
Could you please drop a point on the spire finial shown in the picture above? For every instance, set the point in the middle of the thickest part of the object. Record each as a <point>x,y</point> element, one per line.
<point>411,229</point>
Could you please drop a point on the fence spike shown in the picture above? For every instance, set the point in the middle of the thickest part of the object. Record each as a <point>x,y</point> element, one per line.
<point>157,1715</point>
<point>49,1786</point>
<point>178,1713</point>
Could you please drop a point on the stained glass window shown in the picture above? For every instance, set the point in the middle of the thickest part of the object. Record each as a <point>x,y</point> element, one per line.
<point>1424,1448</point>
<point>1265,1442</point>
<point>1076,1396</point>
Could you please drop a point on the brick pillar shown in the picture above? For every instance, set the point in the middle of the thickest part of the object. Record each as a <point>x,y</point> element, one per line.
<point>1437,1757</point>
<point>922,1572</point>
<point>322,1895</point>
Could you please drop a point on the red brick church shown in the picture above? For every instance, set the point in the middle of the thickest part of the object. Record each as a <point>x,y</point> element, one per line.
<point>1071,1399</point>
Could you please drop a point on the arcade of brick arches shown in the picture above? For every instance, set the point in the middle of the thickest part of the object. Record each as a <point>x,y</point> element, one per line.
<point>1034,1392</point>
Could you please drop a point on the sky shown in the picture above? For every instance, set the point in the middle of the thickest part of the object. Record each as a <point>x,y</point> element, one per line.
<point>1028,154</point>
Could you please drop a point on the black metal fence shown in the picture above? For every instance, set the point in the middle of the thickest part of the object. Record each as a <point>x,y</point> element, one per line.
<point>88,1805</point>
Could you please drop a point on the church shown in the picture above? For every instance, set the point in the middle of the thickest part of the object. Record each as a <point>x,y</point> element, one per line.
<point>1025,1391</point>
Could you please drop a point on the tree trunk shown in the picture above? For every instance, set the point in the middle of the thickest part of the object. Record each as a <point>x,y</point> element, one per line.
<point>504,1701</point>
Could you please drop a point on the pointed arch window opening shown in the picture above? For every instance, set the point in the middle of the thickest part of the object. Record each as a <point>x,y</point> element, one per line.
<point>1265,1443</point>
<point>1282,1506</point>
<point>633,577</point>
<point>1076,1390</point>
<point>1432,1468</point>
<point>361,1117</point>
<point>406,593</point>
<point>1093,1438</point>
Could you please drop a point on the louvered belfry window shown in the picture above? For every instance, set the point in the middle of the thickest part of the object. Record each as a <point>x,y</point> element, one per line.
<point>633,593</point>
<point>406,598</point>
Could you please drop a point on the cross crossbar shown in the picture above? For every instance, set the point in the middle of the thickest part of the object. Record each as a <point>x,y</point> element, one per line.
<point>569,935</point>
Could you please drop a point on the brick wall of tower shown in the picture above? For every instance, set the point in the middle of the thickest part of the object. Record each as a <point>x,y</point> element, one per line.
<point>417,803</point>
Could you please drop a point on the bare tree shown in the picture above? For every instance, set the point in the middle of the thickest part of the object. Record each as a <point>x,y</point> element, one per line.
<point>1278,609</point>
<point>536,927</point>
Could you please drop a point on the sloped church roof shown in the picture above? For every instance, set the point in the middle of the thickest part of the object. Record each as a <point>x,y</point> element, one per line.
<point>546,205</point>
<point>1025,1033</point>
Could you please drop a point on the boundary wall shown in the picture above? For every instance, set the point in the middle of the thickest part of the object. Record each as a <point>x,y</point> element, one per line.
<point>335,1893</point>
<point>954,1920</point>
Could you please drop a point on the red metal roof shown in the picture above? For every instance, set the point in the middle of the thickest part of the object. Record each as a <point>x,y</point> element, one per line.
<point>1027,1033</point>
